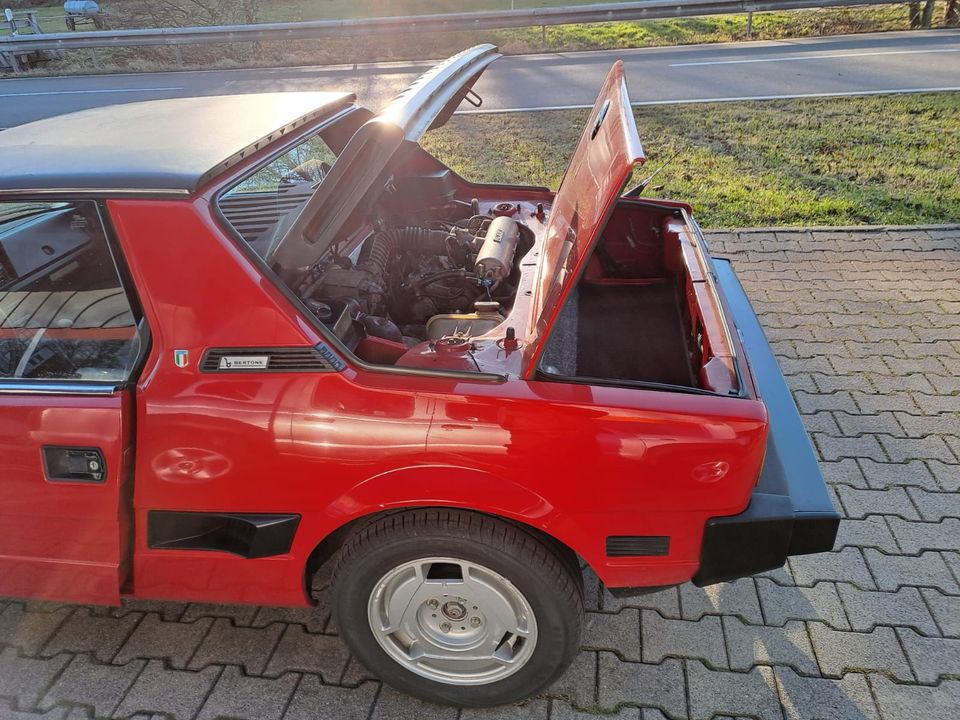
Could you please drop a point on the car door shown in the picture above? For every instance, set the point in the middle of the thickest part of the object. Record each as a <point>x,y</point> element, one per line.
<point>69,341</point>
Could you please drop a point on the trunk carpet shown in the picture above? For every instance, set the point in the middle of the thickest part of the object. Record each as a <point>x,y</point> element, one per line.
<point>632,332</point>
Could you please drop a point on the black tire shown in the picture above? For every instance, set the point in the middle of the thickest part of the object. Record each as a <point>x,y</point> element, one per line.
<point>541,571</point>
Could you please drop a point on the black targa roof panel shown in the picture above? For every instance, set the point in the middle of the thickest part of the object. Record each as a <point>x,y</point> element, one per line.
<point>170,145</point>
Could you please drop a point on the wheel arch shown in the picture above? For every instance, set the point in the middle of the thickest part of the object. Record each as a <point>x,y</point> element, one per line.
<point>449,488</point>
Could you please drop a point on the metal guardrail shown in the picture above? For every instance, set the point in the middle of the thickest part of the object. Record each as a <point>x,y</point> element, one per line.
<point>448,22</point>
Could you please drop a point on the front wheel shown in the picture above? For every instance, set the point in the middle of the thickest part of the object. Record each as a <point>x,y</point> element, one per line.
<point>457,607</point>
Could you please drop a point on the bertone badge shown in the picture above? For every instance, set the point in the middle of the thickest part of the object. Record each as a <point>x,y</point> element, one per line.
<point>181,358</point>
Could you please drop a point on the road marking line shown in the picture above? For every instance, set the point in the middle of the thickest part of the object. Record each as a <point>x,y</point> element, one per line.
<point>744,98</point>
<point>85,92</point>
<point>794,58</point>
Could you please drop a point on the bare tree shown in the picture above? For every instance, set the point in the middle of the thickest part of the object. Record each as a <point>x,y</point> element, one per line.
<point>951,17</point>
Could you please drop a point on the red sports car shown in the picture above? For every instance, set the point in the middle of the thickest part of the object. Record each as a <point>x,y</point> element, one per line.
<point>244,336</point>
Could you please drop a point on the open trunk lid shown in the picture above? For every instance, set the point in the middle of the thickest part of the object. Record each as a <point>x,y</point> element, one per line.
<point>357,177</point>
<point>602,163</point>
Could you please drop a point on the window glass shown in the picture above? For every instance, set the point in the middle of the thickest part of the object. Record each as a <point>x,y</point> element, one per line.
<point>270,198</point>
<point>63,312</point>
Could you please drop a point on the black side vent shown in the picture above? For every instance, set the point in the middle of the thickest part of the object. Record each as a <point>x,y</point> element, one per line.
<point>637,545</point>
<point>247,535</point>
<point>273,359</point>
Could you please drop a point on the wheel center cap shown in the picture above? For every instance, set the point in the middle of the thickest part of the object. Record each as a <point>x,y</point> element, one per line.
<point>454,610</point>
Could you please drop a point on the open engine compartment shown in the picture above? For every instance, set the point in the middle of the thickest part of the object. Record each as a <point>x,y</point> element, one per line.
<point>422,266</point>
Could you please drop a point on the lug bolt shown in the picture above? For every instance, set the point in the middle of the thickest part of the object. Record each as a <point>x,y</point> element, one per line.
<point>475,621</point>
<point>433,603</point>
<point>445,626</point>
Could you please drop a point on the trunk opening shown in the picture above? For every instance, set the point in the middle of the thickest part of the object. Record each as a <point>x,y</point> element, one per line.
<point>643,311</point>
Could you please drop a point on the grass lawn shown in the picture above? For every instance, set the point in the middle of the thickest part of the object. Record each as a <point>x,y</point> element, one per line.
<point>838,161</point>
<point>675,31</point>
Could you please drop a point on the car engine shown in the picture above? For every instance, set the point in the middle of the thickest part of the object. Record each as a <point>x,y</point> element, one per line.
<point>401,278</point>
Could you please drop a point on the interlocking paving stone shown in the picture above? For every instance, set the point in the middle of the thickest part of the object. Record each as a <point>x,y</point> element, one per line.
<point>846,565</point>
<point>657,685</point>
<point>701,639</point>
<point>324,655</point>
<point>945,609</point>
<point>913,702</point>
<point>226,644</point>
<point>246,698</point>
<point>24,678</point>
<point>928,568</point>
<point>176,692</point>
<point>717,692</point>
<point>914,537</point>
<point>931,658</point>
<point>533,710</point>
<point>87,682</point>
<point>750,645</point>
<point>845,471</point>
<point>394,705</point>
<point>894,501</point>
<point>175,642</point>
<point>871,531</point>
<point>314,700</point>
<point>819,602</point>
<point>666,602</point>
<point>732,598</point>
<point>579,682</point>
<point>27,630</point>
<point>935,506</point>
<point>314,619</point>
<point>808,698</point>
<point>562,711</point>
<point>838,652</point>
<point>881,476</point>
<point>932,447</point>
<point>619,632</point>
<point>242,615</point>
<point>866,609</point>
<point>85,632</point>
<point>168,611</point>
<point>8,712</point>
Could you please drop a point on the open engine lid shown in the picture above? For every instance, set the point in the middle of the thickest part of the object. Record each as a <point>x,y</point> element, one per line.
<point>358,175</point>
<point>602,163</point>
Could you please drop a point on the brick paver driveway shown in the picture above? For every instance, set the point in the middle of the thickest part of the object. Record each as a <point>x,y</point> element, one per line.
<point>867,327</point>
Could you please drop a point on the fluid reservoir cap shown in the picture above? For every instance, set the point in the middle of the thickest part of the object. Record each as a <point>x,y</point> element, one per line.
<point>486,307</point>
<point>452,345</point>
<point>504,209</point>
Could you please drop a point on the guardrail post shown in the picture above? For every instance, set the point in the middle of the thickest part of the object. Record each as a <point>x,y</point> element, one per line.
<point>543,34</point>
<point>94,58</point>
<point>11,59</point>
<point>749,25</point>
<point>178,55</point>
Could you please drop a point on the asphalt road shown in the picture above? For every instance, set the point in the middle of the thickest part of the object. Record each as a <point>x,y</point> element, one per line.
<point>839,65</point>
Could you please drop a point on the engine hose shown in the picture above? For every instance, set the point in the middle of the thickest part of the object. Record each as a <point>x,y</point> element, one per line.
<point>443,275</point>
<point>376,252</point>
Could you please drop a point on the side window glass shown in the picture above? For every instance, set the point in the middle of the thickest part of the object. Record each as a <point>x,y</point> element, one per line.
<point>64,314</point>
<point>262,203</point>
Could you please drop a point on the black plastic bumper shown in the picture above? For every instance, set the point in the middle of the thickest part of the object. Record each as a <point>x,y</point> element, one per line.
<point>790,511</point>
